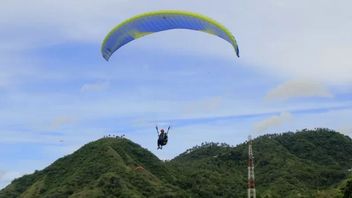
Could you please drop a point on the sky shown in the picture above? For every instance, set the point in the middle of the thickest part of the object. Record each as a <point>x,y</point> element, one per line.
<point>57,92</point>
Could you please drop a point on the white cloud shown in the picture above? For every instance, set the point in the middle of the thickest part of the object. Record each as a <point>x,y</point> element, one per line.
<point>290,39</point>
<point>10,175</point>
<point>2,173</point>
<point>21,137</point>
<point>201,107</point>
<point>273,121</point>
<point>345,130</point>
<point>95,87</point>
<point>79,20</point>
<point>302,39</point>
<point>338,119</point>
<point>7,176</point>
<point>299,88</point>
<point>60,121</point>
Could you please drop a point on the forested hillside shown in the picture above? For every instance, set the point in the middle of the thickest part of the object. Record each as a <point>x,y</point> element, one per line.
<point>308,163</point>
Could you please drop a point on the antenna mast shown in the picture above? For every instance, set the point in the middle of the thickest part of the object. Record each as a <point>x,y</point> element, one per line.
<point>251,181</point>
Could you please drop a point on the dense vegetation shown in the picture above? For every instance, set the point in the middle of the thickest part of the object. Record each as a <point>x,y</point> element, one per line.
<point>308,163</point>
<point>105,168</point>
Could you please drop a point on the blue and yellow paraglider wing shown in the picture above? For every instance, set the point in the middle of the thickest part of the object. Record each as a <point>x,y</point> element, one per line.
<point>152,22</point>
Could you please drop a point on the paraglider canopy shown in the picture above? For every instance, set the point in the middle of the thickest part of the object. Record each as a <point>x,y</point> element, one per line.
<point>151,22</point>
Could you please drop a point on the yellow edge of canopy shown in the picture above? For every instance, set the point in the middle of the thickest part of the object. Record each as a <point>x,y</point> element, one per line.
<point>161,12</point>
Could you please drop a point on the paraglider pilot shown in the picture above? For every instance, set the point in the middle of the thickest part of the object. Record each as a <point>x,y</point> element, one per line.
<point>162,140</point>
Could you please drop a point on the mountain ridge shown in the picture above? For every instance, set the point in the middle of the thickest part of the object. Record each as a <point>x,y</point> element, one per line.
<point>308,163</point>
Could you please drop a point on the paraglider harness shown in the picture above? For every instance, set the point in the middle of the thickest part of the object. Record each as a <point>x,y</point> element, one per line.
<point>163,138</point>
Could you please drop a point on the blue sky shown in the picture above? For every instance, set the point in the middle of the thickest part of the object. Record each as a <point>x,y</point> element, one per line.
<point>58,93</point>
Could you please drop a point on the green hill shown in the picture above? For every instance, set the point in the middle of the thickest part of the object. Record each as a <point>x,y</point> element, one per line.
<point>298,164</point>
<point>308,163</point>
<point>109,167</point>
